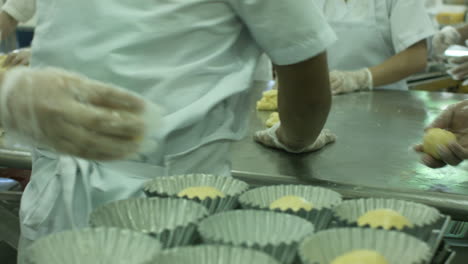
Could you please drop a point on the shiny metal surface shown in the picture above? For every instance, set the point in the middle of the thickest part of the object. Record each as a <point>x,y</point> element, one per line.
<point>372,156</point>
<point>18,159</point>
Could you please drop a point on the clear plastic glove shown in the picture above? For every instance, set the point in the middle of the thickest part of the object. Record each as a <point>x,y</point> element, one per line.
<point>18,57</point>
<point>7,25</point>
<point>455,120</point>
<point>71,114</point>
<point>443,39</point>
<point>269,138</point>
<point>350,81</point>
<point>460,71</point>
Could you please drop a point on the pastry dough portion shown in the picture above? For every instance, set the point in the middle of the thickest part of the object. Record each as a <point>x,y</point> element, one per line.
<point>201,192</point>
<point>292,202</point>
<point>361,257</point>
<point>273,119</point>
<point>269,101</point>
<point>436,137</point>
<point>384,218</point>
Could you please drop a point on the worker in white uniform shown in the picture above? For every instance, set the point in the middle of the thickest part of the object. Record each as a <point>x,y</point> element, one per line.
<point>380,42</point>
<point>452,36</point>
<point>454,119</point>
<point>198,64</point>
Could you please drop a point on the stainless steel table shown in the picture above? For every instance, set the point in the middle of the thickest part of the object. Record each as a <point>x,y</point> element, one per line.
<point>372,156</point>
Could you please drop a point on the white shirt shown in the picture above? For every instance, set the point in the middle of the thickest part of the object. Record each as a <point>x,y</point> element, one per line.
<point>21,10</point>
<point>372,31</point>
<point>196,58</point>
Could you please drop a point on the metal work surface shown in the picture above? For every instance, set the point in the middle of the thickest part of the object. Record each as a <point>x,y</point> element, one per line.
<point>372,156</point>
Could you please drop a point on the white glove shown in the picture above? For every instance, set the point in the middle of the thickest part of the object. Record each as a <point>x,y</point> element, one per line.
<point>350,81</point>
<point>443,39</point>
<point>71,114</point>
<point>7,25</point>
<point>18,57</point>
<point>269,138</point>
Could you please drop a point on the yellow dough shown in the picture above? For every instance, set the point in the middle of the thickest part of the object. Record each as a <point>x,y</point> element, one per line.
<point>269,101</point>
<point>201,192</point>
<point>273,119</point>
<point>436,137</point>
<point>291,202</point>
<point>360,257</point>
<point>384,218</point>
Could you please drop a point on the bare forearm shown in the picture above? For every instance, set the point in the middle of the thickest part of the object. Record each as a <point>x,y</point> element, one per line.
<point>463,30</point>
<point>304,100</point>
<point>401,66</point>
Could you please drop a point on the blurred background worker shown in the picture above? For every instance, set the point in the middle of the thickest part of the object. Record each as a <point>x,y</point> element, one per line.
<point>380,42</point>
<point>205,89</point>
<point>448,36</point>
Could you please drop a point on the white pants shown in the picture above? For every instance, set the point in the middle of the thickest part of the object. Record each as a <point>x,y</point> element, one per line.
<point>61,196</point>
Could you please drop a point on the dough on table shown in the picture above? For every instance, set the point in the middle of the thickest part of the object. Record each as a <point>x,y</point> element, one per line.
<point>362,256</point>
<point>201,192</point>
<point>384,218</point>
<point>436,137</point>
<point>292,202</point>
<point>273,119</point>
<point>269,101</point>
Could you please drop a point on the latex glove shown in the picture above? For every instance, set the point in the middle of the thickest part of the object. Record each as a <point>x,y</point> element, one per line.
<point>70,113</point>
<point>7,25</point>
<point>443,39</point>
<point>455,120</point>
<point>350,81</point>
<point>269,138</point>
<point>18,57</point>
<point>459,72</point>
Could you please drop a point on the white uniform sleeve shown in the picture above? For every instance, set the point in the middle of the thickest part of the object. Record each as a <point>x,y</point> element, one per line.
<point>288,32</point>
<point>21,10</point>
<point>410,23</point>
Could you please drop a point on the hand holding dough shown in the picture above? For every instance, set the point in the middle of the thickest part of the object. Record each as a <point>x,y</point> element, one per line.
<point>201,192</point>
<point>384,218</point>
<point>454,119</point>
<point>435,138</point>
<point>361,257</point>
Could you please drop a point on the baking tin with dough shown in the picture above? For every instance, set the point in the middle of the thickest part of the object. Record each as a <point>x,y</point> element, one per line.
<point>172,185</point>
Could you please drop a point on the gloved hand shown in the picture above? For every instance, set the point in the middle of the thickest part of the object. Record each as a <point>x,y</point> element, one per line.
<point>350,81</point>
<point>7,25</point>
<point>70,113</point>
<point>18,57</point>
<point>455,120</point>
<point>269,138</point>
<point>443,39</point>
<point>459,72</point>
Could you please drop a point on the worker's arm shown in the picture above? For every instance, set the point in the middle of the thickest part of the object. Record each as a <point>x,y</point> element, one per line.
<point>401,66</point>
<point>396,68</point>
<point>304,101</point>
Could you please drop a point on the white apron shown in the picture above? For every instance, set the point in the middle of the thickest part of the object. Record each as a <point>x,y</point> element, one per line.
<point>201,75</point>
<point>363,41</point>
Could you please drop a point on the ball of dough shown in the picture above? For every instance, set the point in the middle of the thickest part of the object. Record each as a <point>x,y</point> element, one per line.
<point>361,257</point>
<point>201,192</point>
<point>269,101</point>
<point>384,218</point>
<point>273,119</point>
<point>436,137</point>
<point>292,202</point>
